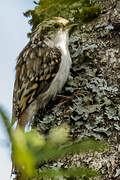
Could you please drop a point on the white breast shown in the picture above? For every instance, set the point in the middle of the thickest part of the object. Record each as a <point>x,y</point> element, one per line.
<point>63,73</point>
<point>61,42</point>
<point>61,77</point>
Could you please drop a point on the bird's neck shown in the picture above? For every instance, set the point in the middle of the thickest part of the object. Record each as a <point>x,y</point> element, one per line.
<point>60,41</point>
<point>62,45</point>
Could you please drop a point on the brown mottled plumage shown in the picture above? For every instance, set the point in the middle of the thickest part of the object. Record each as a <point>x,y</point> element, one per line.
<point>42,69</point>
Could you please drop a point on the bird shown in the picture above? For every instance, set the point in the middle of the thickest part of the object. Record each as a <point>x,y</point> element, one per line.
<point>42,69</point>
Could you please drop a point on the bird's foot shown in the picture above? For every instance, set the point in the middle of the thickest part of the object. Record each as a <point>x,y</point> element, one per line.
<point>66,99</point>
<point>80,93</point>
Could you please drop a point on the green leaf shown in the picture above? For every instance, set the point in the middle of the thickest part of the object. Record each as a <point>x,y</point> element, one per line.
<point>6,122</point>
<point>22,155</point>
<point>71,172</point>
<point>52,151</point>
<point>30,149</point>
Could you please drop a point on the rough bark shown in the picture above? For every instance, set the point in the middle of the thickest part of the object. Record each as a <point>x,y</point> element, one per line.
<point>94,80</point>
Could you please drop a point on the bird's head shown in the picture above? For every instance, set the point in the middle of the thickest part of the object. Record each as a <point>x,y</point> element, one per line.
<point>54,30</point>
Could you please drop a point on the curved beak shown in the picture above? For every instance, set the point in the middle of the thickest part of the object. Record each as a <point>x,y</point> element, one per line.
<point>70,27</point>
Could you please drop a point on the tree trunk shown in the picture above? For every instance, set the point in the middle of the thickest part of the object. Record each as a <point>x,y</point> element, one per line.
<point>94,85</point>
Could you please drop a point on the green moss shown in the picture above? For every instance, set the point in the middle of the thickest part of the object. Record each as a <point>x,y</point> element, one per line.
<point>68,9</point>
<point>89,13</point>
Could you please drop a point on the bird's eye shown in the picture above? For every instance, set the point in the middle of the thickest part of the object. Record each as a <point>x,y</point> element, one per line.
<point>56,25</point>
<point>47,29</point>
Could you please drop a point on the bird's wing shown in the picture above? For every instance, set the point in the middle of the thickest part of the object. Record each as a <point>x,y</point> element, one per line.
<point>36,67</point>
